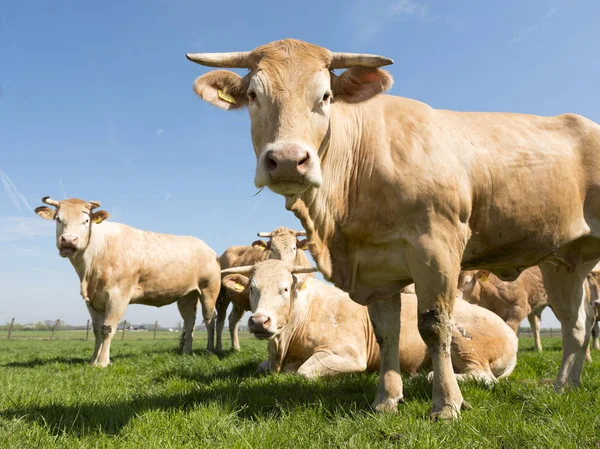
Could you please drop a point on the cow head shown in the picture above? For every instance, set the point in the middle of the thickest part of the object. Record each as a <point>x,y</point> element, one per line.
<point>289,92</point>
<point>272,288</point>
<point>74,222</point>
<point>472,288</point>
<point>284,244</point>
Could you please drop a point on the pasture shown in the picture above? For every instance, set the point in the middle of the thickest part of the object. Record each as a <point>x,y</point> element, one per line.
<point>152,398</point>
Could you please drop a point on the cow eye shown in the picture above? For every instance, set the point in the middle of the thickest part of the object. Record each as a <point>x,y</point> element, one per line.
<point>252,95</point>
<point>326,97</point>
<point>87,220</point>
<point>58,220</point>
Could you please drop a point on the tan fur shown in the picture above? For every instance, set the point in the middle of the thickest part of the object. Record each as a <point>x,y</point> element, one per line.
<point>511,301</point>
<point>392,191</point>
<point>282,245</point>
<point>325,333</point>
<point>119,265</point>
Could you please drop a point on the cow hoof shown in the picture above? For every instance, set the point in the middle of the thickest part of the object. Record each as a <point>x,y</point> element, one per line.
<point>387,405</point>
<point>102,364</point>
<point>447,413</point>
<point>430,377</point>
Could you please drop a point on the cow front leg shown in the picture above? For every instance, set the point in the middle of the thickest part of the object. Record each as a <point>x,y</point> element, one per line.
<point>575,313</point>
<point>435,273</point>
<point>188,307</point>
<point>596,335</point>
<point>115,309</point>
<point>385,317</point>
<point>221,308</point>
<point>235,316</point>
<point>97,320</point>
<point>324,363</point>
<point>534,323</point>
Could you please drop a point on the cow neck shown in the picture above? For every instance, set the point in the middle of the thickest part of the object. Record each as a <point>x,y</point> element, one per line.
<point>325,210</point>
<point>294,331</point>
<point>83,261</point>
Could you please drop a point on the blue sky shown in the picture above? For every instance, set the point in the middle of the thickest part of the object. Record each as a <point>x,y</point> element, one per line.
<point>96,102</point>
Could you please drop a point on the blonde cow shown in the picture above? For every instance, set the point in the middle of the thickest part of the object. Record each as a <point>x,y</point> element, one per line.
<point>283,244</point>
<point>392,191</point>
<point>316,330</point>
<point>119,265</point>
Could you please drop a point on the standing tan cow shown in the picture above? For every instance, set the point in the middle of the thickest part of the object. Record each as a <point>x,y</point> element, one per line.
<point>316,330</point>
<point>392,191</point>
<point>283,244</point>
<point>511,301</point>
<point>119,265</point>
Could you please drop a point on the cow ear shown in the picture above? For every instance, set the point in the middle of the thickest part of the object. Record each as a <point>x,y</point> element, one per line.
<point>45,212</point>
<point>260,245</point>
<point>483,275</point>
<point>360,83</point>
<point>235,282</point>
<point>223,88</point>
<point>301,244</point>
<point>99,216</point>
<point>299,282</point>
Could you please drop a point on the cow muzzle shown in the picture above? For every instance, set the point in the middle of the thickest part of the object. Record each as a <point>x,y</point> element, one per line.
<point>68,245</point>
<point>288,168</point>
<point>259,325</point>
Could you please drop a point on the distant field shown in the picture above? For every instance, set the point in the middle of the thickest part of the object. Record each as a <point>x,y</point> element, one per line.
<point>80,335</point>
<point>153,398</point>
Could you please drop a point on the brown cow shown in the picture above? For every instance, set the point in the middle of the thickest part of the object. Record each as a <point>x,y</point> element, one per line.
<point>119,265</point>
<point>283,244</point>
<point>392,191</point>
<point>316,330</point>
<point>511,301</point>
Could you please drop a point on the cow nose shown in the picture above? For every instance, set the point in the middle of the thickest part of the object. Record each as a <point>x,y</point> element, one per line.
<point>287,163</point>
<point>258,322</point>
<point>69,240</point>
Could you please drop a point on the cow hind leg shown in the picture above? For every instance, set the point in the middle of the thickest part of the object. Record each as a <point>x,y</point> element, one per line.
<point>221,308</point>
<point>324,363</point>
<point>188,306</point>
<point>596,335</point>
<point>385,317</point>
<point>208,299</point>
<point>534,323</point>
<point>97,319</point>
<point>566,296</point>
<point>235,316</point>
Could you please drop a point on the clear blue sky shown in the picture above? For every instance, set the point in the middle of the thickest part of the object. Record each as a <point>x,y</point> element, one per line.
<point>96,102</point>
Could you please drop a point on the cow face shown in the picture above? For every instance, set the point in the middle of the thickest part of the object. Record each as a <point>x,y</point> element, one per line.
<point>74,221</point>
<point>290,91</point>
<point>284,245</point>
<point>272,288</point>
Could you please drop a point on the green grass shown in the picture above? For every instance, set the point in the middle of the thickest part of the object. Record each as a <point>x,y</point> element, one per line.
<point>153,398</point>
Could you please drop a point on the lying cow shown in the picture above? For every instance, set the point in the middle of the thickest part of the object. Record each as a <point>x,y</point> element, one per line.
<point>511,301</point>
<point>119,265</point>
<point>283,244</point>
<point>316,330</point>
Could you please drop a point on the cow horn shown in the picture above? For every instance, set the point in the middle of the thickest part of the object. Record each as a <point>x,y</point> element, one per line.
<point>245,270</point>
<point>232,60</point>
<point>347,60</point>
<point>300,233</point>
<point>264,234</point>
<point>94,204</point>
<point>303,270</point>
<point>50,201</point>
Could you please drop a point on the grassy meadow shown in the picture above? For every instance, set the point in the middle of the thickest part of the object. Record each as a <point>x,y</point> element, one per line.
<point>153,398</point>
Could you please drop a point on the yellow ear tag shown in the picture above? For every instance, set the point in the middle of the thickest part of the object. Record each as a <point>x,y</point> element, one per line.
<point>239,287</point>
<point>226,97</point>
<point>302,286</point>
<point>97,220</point>
<point>483,278</point>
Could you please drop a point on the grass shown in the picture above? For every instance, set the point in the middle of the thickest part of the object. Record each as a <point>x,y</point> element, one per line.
<point>153,398</point>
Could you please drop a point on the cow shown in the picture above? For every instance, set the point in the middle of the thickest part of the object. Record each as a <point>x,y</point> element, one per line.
<point>283,244</point>
<point>119,265</point>
<point>392,191</point>
<point>315,329</point>
<point>593,294</point>
<point>511,301</point>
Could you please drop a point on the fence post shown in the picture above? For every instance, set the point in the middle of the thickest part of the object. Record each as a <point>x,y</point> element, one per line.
<point>155,327</point>
<point>87,330</point>
<point>123,334</point>
<point>551,333</point>
<point>12,323</point>
<point>53,329</point>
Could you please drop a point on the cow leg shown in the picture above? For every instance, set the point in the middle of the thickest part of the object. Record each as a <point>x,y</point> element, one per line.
<point>208,299</point>
<point>534,322</point>
<point>325,363</point>
<point>115,309</point>
<point>221,308</point>
<point>188,306</point>
<point>435,275</point>
<point>235,316</point>
<point>567,299</point>
<point>596,335</point>
<point>385,317</point>
<point>97,319</point>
